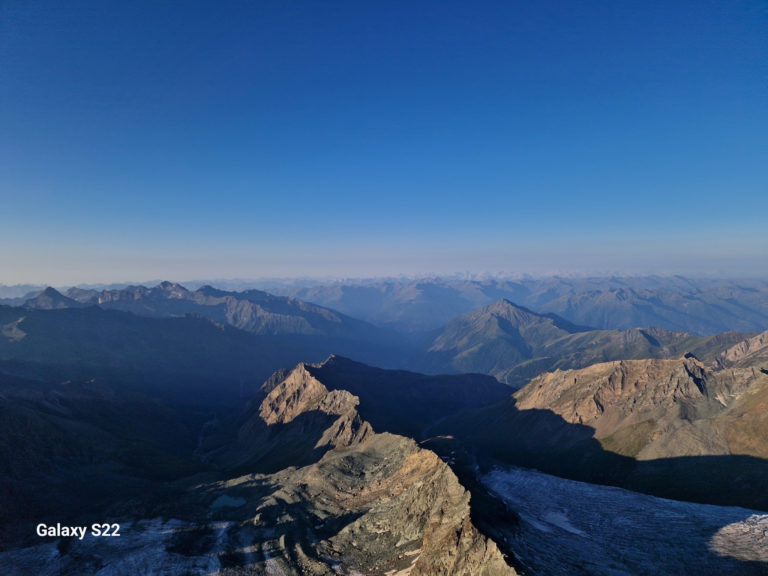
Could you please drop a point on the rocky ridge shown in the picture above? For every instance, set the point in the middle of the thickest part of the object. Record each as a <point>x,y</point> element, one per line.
<point>371,502</point>
<point>655,408</point>
<point>254,311</point>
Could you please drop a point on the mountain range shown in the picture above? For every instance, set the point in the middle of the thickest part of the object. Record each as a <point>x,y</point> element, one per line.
<point>251,310</point>
<point>515,344</point>
<point>242,336</point>
<point>204,423</point>
<point>218,346</point>
<point>701,306</point>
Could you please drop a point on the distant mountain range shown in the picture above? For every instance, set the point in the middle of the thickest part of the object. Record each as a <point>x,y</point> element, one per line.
<point>699,306</point>
<point>251,310</point>
<point>19,292</point>
<point>702,306</point>
<point>183,339</point>
<point>239,338</point>
<point>515,344</point>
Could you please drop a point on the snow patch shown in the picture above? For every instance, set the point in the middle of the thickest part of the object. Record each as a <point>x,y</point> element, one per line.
<point>746,540</point>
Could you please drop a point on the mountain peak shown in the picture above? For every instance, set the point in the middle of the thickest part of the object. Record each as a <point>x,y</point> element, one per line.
<point>297,393</point>
<point>171,287</point>
<point>336,360</point>
<point>520,316</point>
<point>51,299</point>
<point>505,306</point>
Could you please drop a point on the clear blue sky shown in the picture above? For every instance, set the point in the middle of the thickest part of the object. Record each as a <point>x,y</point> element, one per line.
<point>181,140</point>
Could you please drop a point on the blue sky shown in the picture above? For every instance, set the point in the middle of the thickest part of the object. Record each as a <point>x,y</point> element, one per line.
<point>188,140</point>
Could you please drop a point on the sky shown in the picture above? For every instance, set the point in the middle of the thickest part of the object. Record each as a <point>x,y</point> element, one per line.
<point>191,140</point>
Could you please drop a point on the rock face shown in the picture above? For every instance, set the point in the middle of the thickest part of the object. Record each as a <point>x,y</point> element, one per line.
<point>300,392</point>
<point>409,513</point>
<point>651,409</point>
<point>747,352</point>
<point>370,502</point>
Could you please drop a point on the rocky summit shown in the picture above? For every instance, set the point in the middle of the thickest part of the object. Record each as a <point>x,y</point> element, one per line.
<point>374,503</point>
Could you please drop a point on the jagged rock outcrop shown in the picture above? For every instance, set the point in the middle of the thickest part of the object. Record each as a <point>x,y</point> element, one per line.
<point>300,392</point>
<point>374,503</point>
<point>408,513</point>
<point>296,421</point>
